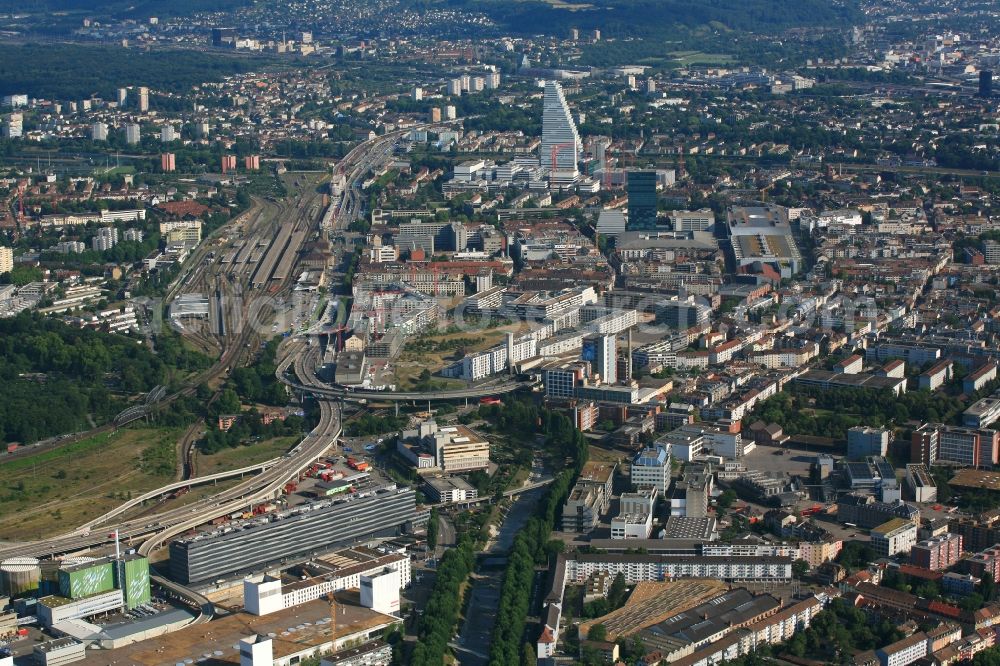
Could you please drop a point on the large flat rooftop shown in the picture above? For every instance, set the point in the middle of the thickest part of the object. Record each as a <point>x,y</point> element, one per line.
<point>654,602</point>
<point>292,630</point>
<point>975,478</point>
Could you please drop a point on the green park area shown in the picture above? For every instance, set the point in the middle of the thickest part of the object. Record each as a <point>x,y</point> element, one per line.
<point>57,490</point>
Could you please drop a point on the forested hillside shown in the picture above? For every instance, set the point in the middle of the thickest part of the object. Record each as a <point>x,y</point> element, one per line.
<point>57,379</point>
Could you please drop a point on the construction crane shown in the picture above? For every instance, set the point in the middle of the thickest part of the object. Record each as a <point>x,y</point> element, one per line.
<point>333,619</point>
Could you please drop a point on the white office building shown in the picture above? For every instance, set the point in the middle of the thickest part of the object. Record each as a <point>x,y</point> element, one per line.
<point>380,591</point>
<point>651,469</point>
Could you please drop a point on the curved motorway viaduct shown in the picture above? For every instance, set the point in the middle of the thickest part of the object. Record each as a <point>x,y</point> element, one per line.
<point>406,396</point>
<point>304,361</point>
<point>157,528</point>
<point>177,485</point>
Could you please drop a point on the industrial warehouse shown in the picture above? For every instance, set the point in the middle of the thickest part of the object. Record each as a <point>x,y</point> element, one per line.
<point>305,530</point>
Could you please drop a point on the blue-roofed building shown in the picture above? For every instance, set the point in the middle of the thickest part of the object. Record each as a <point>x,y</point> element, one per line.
<point>651,469</point>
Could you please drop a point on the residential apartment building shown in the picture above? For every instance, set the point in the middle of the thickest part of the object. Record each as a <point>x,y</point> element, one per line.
<point>6,260</point>
<point>937,553</point>
<point>647,567</point>
<point>903,652</point>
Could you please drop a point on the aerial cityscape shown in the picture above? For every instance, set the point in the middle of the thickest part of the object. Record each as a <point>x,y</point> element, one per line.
<point>391,332</point>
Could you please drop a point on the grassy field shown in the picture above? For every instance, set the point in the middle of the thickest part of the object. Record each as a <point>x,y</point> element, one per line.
<point>411,363</point>
<point>55,491</point>
<point>688,58</point>
<point>241,456</point>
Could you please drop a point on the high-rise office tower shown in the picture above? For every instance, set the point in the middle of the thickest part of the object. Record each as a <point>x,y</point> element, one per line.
<point>99,132</point>
<point>601,351</point>
<point>560,148</point>
<point>641,199</point>
<point>143,99</point>
<point>985,83</point>
<point>132,134</point>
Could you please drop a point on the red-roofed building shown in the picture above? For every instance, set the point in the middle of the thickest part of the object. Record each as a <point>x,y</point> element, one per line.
<point>920,572</point>
<point>183,208</point>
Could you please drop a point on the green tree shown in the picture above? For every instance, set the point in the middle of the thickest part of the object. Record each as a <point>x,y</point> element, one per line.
<point>617,592</point>
<point>598,632</point>
<point>432,529</point>
<point>800,568</point>
<point>228,402</point>
<point>528,657</point>
<point>988,587</point>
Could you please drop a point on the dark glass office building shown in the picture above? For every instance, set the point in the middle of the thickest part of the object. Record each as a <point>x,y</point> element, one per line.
<point>641,199</point>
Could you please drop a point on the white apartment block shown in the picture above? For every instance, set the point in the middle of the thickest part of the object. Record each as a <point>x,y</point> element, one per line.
<point>645,567</point>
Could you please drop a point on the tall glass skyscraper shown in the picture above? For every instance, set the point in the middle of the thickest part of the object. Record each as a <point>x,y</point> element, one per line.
<point>641,199</point>
<point>560,149</point>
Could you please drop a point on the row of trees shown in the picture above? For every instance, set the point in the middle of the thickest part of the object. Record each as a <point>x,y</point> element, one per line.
<point>369,424</point>
<point>440,617</point>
